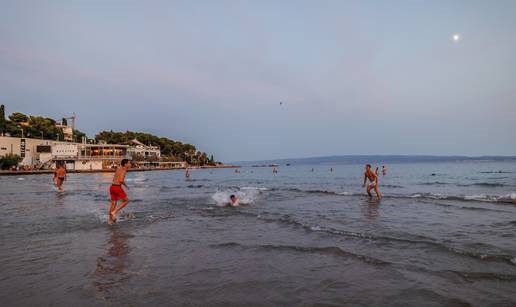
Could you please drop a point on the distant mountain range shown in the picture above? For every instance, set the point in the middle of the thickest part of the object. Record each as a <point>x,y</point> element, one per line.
<point>375,159</point>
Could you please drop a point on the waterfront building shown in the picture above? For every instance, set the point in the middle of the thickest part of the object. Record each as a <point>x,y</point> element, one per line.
<point>145,152</point>
<point>44,154</point>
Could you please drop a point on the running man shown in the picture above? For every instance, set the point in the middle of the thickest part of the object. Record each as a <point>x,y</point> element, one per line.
<point>116,191</point>
<point>59,177</point>
<point>373,181</point>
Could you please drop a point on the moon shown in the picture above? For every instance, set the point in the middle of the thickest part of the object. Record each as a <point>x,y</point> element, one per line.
<point>456,37</point>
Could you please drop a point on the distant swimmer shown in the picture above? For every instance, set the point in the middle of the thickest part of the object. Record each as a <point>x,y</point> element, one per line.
<point>384,170</point>
<point>274,170</point>
<point>331,169</point>
<point>59,177</point>
<point>237,171</point>
<point>233,201</point>
<point>187,173</point>
<point>373,181</point>
<point>116,191</point>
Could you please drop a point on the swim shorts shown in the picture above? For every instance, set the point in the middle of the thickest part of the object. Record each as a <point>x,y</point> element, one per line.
<point>117,193</point>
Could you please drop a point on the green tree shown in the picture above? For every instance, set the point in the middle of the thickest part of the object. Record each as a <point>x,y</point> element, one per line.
<point>3,123</point>
<point>170,150</point>
<point>9,160</point>
<point>18,117</point>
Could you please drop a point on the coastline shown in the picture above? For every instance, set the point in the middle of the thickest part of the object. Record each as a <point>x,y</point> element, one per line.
<point>46,172</point>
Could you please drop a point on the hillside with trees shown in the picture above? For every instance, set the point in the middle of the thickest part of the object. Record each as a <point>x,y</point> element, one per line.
<point>171,150</point>
<point>45,128</point>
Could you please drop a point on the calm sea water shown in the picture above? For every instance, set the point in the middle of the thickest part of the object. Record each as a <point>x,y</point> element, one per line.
<point>443,235</point>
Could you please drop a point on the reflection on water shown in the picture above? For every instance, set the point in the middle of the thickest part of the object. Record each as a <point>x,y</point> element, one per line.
<point>371,209</point>
<point>111,271</point>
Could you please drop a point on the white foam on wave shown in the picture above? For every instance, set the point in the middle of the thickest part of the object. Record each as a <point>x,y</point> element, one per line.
<point>477,197</point>
<point>245,195</point>
<point>136,179</point>
<point>346,193</point>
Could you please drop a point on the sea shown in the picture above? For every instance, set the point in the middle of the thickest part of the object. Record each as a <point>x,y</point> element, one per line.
<point>444,234</point>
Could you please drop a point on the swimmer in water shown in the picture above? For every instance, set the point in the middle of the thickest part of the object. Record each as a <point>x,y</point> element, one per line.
<point>187,173</point>
<point>59,177</point>
<point>116,191</point>
<point>373,181</point>
<point>233,201</point>
<point>384,170</point>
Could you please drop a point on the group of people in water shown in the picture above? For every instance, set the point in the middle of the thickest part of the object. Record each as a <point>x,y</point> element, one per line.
<point>118,194</point>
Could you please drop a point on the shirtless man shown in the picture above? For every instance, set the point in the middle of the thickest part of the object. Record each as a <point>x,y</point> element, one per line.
<point>373,181</point>
<point>384,170</point>
<point>59,177</point>
<point>116,191</point>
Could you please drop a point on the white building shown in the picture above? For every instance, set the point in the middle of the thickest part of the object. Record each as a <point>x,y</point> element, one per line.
<point>144,151</point>
<point>33,152</point>
<point>37,153</point>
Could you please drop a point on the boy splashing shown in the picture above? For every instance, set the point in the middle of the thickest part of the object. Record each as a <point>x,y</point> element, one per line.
<point>116,191</point>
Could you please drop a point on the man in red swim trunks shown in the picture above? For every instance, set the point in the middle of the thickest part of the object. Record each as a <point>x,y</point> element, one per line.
<point>116,191</point>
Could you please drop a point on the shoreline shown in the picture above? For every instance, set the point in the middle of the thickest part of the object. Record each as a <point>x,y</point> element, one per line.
<point>46,172</point>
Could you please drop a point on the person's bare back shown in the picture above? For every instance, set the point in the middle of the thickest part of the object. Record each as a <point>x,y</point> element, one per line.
<point>119,176</point>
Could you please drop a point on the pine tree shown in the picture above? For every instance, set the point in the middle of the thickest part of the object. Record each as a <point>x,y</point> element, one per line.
<point>2,120</point>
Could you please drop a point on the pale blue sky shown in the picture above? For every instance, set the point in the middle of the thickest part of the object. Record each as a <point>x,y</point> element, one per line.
<point>355,77</point>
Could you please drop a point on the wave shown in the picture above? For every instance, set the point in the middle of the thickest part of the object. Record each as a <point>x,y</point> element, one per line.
<point>392,186</point>
<point>496,172</point>
<point>245,195</point>
<point>483,184</point>
<point>194,186</point>
<point>434,183</point>
<point>506,258</point>
<point>331,250</point>
<point>507,198</point>
<point>473,276</point>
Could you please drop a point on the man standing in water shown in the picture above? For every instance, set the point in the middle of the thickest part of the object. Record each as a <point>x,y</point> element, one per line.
<point>373,181</point>
<point>116,191</point>
<point>60,177</point>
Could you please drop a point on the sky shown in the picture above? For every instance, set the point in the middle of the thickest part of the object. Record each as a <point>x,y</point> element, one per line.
<point>252,80</point>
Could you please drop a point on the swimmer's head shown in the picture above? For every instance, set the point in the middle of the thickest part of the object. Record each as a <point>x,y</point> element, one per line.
<point>233,198</point>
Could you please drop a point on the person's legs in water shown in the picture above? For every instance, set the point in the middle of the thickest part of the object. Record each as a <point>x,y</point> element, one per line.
<point>369,190</point>
<point>125,200</point>
<point>377,191</point>
<point>111,216</point>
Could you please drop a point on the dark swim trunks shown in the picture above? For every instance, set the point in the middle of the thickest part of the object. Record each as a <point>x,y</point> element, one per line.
<point>117,193</point>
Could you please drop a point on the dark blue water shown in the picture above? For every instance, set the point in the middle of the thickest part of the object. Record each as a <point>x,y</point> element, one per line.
<point>443,235</point>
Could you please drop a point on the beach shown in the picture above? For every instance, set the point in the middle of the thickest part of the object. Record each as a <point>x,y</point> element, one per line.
<point>444,234</point>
